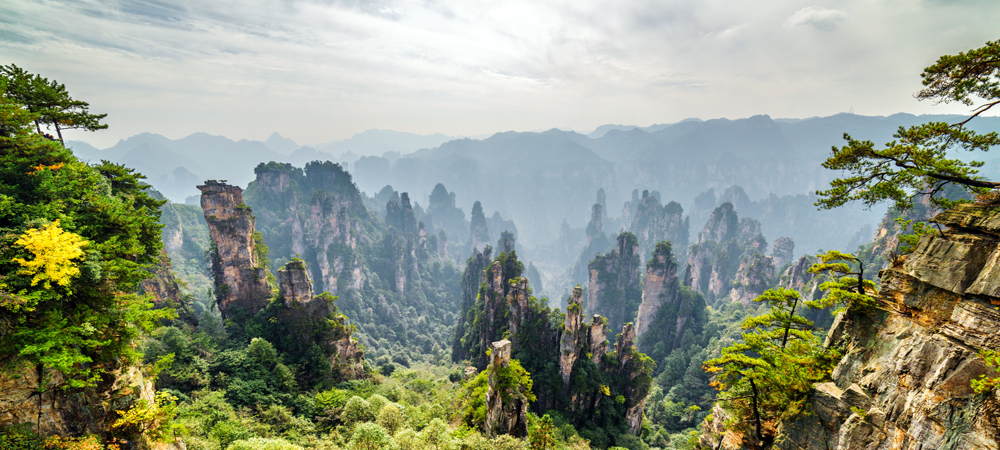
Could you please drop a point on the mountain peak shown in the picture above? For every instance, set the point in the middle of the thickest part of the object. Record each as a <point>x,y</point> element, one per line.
<point>281,144</point>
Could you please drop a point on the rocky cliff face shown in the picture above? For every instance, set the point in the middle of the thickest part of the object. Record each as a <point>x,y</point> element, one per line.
<point>479,233</point>
<point>316,319</point>
<point>904,382</point>
<point>29,397</point>
<point>294,283</point>
<point>755,275</point>
<point>652,223</point>
<point>240,280</point>
<point>166,293</point>
<point>722,225</point>
<point>471,279</point>
<point>660,286</point>
<point>783,251</point>
<point>614,287</point>
<point>668,310</point>
<point>720,268</point>
<point>312,214</point>
<point>635,392</point>
<point>506,411</point>
<point>569,345</point>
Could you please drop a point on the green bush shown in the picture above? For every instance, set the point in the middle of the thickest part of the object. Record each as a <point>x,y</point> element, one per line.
<point>357,410</point>
<point>371,436</point>
<point>263,444</point>
<point>391,418</point>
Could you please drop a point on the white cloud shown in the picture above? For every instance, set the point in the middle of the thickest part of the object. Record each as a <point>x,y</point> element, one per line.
<point>318,70</point>
<point>816,17</point>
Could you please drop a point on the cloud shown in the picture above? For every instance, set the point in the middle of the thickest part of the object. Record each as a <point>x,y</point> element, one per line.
<point>318,70</point>
<point>816,17</point>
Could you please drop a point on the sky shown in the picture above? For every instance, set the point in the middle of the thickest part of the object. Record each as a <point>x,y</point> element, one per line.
<point>322,70</point>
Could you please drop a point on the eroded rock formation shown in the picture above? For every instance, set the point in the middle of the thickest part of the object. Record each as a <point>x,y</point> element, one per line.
<point>668,310</point>
<point>653,223</point>
<point>240,279</point>
<point>630,367</point>
<point>783,251</point>
<point>305,313</point>
<point>166,293</point>
<point>506,408</point>
<point>614,288</point>
<point>294,283</point>
<point>723,225</point>
<point>660,286</point>
<point>904,382</point>
<point>755,275</point>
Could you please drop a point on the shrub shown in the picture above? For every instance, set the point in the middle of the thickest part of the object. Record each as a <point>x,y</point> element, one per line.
<point>370,436</point>
<point>263,444</point>
<point>391,418</point>
<point>357,410</point>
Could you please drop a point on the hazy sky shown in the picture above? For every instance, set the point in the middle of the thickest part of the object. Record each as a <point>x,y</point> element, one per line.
<point>321,70</point>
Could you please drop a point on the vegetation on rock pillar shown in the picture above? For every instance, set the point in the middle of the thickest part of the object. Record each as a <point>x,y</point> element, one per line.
<point>918,162</point>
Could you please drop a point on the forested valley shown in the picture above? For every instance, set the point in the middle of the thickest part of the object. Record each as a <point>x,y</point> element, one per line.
<point>303,312</point>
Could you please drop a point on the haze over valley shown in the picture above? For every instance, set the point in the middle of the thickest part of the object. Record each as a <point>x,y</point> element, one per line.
<point>517,225</point>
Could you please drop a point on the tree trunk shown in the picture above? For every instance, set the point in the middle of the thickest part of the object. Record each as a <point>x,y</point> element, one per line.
<point>756,413</point>
<point>59,132</point>
<point>788,326</point>
<point>861,277</point>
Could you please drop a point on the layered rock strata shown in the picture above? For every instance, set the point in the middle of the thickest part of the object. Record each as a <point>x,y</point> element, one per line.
<point>613,290</point>
<point>905,380</point>
<point>506,412</point>
<point>240,281</point>
<point>755,275</point>
<point>661,286</point>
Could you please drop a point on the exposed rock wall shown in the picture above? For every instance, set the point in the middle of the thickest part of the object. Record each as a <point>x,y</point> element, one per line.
<point>569,342</point>
<point>904,382</point>
<point>635,393</point>
<point>240,281</point>
<point>30,396</point>
<point>661,286</point>
<point>506,412</point>
<point>166,293</point>
<point>668,310</point>
<point>471,279</point>
<point>653,223</point>
<point>294,283</point>
<point>755,275</point>
<point>722,225</point>
<point>309,313</point>
<point>783,251</point>
<point>614,288</point>
<point>479,233</point>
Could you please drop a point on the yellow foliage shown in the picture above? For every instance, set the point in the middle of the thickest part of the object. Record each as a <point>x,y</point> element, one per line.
<point>54,250</point>
<point>89,442</point>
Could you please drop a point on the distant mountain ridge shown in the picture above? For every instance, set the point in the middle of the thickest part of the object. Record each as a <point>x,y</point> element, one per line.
<point>542,180</point>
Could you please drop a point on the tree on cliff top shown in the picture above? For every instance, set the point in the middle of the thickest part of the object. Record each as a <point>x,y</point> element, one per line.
<point>49,101</point>
<point>918,162</point>
<point>75,241</point>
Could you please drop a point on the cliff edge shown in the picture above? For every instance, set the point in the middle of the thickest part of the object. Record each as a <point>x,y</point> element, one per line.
<point>904,382</point>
